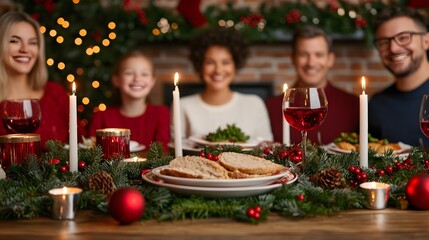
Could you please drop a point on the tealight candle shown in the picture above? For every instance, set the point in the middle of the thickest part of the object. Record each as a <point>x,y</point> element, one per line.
<point>363,127</point>
<point>134,160</point>
<point>65,202</point>
<point>377,194</point>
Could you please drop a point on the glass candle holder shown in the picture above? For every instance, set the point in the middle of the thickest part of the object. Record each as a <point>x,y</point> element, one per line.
<point>15,147</point>
<point>114,142</point>
<point>377,194</point>
<point>65,202</point>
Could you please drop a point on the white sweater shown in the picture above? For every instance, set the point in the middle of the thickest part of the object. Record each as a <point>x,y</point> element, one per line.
<point>246,111</point>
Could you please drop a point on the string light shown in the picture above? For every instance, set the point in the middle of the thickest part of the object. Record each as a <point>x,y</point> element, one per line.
<point>52,33</point>
<point>85,100</point>
<point>42,29</point>
<point>50,61</point>
<point>112,35</point>
<point>78,41</point>
<point>61,66</point>
<point>96,49</point>
<point>111,25</point>
<point>76,1</point>
<point>65,24</point>
<point>82,32</point>
<point>60,39</point>
<point>89,51</point>
<point>105,42</point>
<point>60,21</point>
<point>70,78</point>
<point>95,84</point>
<point>156,31</point>
<point>102,107</point>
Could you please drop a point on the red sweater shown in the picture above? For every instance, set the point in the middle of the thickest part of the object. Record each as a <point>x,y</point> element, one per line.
<point>343,116</point>
<point>153,125</point>
<point>54,105</point>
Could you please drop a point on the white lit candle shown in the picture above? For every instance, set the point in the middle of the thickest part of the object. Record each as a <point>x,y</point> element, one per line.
<point>176,118</point>
<point>73,131</point>
<point>65,202</point>
<point>363,128</point>
<point>286,127</point>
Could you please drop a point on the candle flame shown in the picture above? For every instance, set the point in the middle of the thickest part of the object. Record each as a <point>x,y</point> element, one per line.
<point>285,87</point>
<point>74,88</point>
<point>65,190</point>
<point>176,78</point>
<point>363,84</point>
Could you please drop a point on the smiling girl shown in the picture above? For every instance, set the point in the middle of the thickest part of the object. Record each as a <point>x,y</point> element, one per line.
<point>134,76</point>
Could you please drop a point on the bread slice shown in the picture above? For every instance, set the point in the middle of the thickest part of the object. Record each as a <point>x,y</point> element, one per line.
<point>248,164</point>
<point>195,167</point>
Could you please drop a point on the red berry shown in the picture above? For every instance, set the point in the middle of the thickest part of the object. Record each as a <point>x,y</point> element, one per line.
<point>209,156</point>
<point>283,154</point>
<point>364,176</point>
<point>54,161</point>
<point>257,215</point>
<point>357,170</point>
<point>380,172</point>
<point>408,161</point>
<point>267,150</point>
<point>372,167</point>
<point>389,169</point>
<point>352,169</point>
<point>216,158</point>
<point>144,171</point>
<point>81,164</point>
<point>64,168</point>
<point>202,154</point>
<point>300,197</point>
<point>258,209</point>
<point>251,212</point>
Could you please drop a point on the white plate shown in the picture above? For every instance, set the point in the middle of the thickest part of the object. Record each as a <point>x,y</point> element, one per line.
<point>332,147</point>
<point>244,182</point>
<point>216,192</point>
<point>200,140</point>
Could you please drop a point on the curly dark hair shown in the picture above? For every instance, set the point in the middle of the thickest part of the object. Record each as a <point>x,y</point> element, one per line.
<point>393,12</point>
<point>224,37</point>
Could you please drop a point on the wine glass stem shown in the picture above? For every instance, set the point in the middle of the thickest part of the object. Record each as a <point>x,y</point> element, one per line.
<point>304,148</point>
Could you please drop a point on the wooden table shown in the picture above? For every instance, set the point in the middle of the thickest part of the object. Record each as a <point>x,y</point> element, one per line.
<point>355,224</point>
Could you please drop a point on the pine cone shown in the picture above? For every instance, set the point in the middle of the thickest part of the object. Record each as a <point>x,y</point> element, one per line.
<point>102,182</point>
<point>328,179</point>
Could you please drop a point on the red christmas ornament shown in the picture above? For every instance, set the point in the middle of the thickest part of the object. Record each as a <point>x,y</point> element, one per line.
<point>301,197</point>
<point>126,205</point>
<point>417,191</point>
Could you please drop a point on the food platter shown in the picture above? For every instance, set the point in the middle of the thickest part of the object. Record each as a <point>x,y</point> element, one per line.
<point>333,148</point>
<point>243,182</point>
<point>217,192</point>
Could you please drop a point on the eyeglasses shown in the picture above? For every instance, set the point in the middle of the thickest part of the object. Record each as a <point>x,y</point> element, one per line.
<point>402,39</point>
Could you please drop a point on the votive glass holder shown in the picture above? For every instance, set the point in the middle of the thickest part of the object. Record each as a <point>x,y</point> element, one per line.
<point>377,194</point>
<point>114,142</point>
<point>65,202</point>
<point>15,147</point>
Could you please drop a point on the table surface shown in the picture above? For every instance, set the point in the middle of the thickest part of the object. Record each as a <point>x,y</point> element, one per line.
<point>354,224</point>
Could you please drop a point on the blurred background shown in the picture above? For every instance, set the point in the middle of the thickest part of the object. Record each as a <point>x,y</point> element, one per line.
<point>84,38</point>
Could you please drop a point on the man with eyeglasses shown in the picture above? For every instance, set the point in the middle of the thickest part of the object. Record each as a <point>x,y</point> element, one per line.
<point>402,41</point>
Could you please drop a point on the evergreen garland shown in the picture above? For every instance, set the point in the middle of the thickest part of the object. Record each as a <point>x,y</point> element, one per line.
<point>25,190</point>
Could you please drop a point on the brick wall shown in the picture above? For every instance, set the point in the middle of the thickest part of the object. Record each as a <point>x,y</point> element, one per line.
<point>272,62</point>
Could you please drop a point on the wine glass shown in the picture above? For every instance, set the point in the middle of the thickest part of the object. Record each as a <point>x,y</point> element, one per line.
<point>21,115</point>
<point>305,109</point>
<point>424,115</point>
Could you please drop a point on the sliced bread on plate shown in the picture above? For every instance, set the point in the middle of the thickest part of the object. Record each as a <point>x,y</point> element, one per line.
<point>248,164</point>
<point>195,167</point>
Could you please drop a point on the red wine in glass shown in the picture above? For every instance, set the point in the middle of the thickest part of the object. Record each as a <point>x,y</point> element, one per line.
<point>304,109</point>
<point>424,115</point>
<point>305,118</point>
<point>21,115</point>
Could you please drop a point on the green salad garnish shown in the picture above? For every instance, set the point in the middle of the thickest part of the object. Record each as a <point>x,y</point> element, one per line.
<point>230,134</point>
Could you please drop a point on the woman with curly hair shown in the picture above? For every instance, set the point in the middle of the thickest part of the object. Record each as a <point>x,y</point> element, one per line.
<point>217,55</point>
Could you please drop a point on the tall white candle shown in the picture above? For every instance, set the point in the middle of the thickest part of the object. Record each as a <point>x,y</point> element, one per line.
<point>177,125</point>
<point>73,130</point>
<point>363,128</point>
<point>286,127</point>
